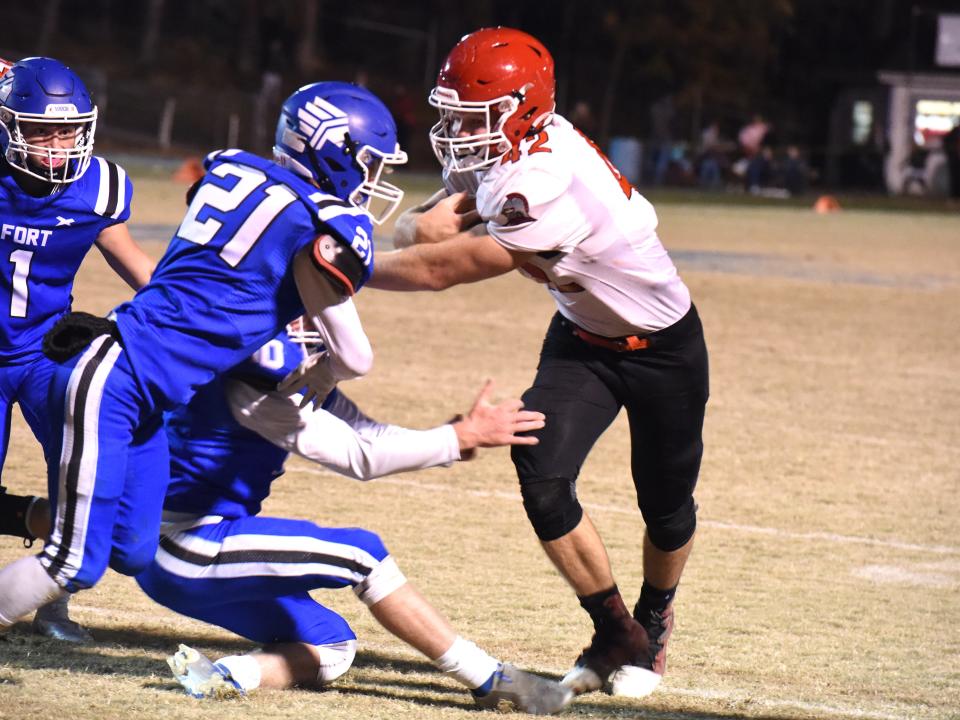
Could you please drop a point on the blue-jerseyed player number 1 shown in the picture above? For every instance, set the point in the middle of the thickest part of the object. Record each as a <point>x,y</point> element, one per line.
<point>21,292</point>
<point>277,197</point>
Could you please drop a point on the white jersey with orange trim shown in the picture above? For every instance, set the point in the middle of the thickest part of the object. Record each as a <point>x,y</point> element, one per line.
<point>595,236</point>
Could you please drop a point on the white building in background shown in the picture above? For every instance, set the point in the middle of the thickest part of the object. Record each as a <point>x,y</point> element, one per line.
<point>922,108</point>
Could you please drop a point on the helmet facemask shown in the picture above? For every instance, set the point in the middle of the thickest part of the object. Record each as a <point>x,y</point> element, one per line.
<point>376,196</point>
<point>54,165</point>
<point>302,332</point>
<point>472,150</point>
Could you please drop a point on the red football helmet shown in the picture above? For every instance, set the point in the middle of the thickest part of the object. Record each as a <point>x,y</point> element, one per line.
<point>495,88</point>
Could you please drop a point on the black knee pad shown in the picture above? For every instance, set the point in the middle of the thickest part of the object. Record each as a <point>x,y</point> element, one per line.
<point>671,532</point>
<point>551,505</point>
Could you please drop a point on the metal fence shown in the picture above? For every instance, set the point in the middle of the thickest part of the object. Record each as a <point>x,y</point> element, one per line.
<point>184,120</point>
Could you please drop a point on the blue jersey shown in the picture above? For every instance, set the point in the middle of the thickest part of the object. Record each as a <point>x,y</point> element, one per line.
<point>43,241</point>
<point>225,285</point>
<point>217,466</point>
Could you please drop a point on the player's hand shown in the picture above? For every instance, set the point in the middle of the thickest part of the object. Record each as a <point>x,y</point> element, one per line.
<point>451,216</point>
<point>494,425</point>
<point>313,377</point>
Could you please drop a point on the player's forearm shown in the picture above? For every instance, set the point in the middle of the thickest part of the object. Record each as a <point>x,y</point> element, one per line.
<point>415,268</point>
<point>342,444</point>
<point>468,257</point>
<point>405,230</point>
<point>124,256</point>
<point>135,273</point>
<point>400,451</point>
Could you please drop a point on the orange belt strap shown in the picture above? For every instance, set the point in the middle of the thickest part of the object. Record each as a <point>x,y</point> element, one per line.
<point>624,344</point>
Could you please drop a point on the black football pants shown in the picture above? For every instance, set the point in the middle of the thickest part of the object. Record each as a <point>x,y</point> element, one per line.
<point>581,388</point>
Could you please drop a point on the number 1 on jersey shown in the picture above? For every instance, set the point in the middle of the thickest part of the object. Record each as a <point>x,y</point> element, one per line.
<point>20,297</point>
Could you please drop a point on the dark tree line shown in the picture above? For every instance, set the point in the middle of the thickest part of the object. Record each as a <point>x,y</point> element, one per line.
<point>726,58</point>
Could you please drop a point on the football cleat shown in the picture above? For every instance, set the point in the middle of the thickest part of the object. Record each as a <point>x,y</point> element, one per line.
<point>607,652</point>
<point>200,677</point>
<point>524,691</point>
<point>642,676</point>
<point>53,621</point>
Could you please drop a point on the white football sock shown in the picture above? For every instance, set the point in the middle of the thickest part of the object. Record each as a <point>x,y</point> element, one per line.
<point>24,587</point>
<point>244,669</point>
<point>467,663</point>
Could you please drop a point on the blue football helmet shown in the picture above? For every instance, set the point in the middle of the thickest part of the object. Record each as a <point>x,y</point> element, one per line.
<point>343,138</point>
<point>41,91</point>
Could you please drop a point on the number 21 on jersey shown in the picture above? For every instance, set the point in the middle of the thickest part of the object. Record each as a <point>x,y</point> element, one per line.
<point>258,219</point>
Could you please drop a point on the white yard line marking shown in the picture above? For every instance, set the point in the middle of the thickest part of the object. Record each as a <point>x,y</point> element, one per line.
<point>717,524</point>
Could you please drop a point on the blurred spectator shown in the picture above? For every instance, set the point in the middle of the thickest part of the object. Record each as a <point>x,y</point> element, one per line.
<point>951,148</point>
<point>915,178</point>
<point>581,117</point>
<point>759,169</point>
<point>661,136</point>
<point>711,157</point>
<point>752,136</point>
<point>795,171</point>
<point>275,42</point>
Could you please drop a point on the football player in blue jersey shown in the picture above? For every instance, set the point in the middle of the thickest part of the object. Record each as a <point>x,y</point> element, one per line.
<point>261,242</point>
<point>221,562</point>
<point>56,201</point>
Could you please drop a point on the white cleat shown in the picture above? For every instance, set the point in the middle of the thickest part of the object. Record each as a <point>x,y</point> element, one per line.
<point>582,679</point>
<point>200,677</point>
<point>634,682</point>
<point>524,691</point>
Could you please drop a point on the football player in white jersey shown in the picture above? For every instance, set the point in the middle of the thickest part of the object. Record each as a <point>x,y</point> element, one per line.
<point>549,204</point>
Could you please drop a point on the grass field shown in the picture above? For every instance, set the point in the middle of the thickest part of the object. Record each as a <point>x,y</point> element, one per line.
<point>826,578</point>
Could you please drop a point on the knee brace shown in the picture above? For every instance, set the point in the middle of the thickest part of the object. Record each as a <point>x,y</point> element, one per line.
<point>552,506</point>
<point>382,580</point>
<point>15,515</point>
<point>673,531</point>
<point>335,659</point>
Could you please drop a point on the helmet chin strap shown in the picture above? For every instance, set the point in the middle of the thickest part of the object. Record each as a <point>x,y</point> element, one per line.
<point>32,184</point>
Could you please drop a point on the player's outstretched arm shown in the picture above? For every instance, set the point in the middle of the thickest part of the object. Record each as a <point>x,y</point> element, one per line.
<point>465,258</point>
<point>343,439</point>
<point>494,425</point>
<point>441,217</point>
<point>124,256</point>
<point>405,228</point>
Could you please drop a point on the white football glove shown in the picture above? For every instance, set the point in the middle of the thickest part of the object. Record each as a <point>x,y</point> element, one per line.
<point>314,376</point>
